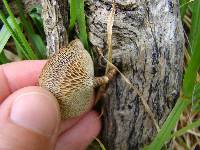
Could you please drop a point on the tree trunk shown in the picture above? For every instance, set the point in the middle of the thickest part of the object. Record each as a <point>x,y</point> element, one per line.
<point>148,46</point>
<point>55,19</point>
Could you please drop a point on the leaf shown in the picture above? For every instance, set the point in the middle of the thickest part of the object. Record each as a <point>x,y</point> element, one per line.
<point>5,34</point>
<point>194,64</point>
<point>196,98</point>
<point>39,44</point>
<point>20,37</point>
<point>3,58</point>
<point>72,14</point>
<point>101,144</point>
<point>19,49</point>
<point>35,15</point>
<point>182,131</point>
<point>77,13</point>
<point>191,74</point>
<point>82,23</point>
<point>195,27</point>
<point>14,35</point>
<point>165,132</point>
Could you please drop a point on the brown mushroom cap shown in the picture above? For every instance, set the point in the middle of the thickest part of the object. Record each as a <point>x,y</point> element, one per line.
<point>69,75</point>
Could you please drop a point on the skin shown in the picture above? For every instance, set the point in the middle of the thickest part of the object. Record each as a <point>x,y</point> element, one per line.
<point>17,79</point>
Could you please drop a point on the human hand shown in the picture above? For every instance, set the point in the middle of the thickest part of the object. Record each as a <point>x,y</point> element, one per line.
<point>29,115</point>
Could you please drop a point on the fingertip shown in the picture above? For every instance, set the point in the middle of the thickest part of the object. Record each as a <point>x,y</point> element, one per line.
<point>94,117</point>
<point>29,117</point>
<point>81,134</point>
<point>19,74</point>
<point>33,108</point>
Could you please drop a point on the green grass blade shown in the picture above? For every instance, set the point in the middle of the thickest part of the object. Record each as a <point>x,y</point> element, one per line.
<point>39,45</point>
<point>100,144</point>
<point>3,58</point>
<point>196,98</point>
<point>4,37</point>
<point>77,13</point>
<point>82,23</point>
<point>19,50</point>
<point>191,73</point>
<point>165,132</point>
<point>194,64</point>
<point>72,14</point>
<point>195,27</point>
<point>19,33</point>
<point>182,131</point>
<point>14,35</point>
<point>35,15</point>
<point>5,34</point>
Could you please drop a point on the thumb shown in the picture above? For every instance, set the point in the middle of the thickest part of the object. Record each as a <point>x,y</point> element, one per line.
<point>29,120</point>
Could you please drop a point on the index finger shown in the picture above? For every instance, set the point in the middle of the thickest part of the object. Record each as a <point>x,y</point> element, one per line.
<point>17,75</point>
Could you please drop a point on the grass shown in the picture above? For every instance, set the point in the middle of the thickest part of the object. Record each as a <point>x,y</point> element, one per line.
<point>181,126</point>
<point>17,33</point>
<point>36,41</point>
<point>77,14</point>
<point>5,34</point>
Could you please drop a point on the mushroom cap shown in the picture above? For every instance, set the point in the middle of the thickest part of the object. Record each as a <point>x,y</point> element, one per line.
<point>69,75</point>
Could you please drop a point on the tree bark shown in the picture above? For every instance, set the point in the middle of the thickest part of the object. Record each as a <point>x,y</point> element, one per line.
<point>55,19</point>
<point>148,46</point>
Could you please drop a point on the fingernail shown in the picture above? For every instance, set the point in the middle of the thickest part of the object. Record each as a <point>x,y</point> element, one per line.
<point>35,111</point>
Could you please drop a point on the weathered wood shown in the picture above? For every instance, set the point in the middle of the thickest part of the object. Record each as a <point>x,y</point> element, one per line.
<point>148,46</point>
<point>55,19</point>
